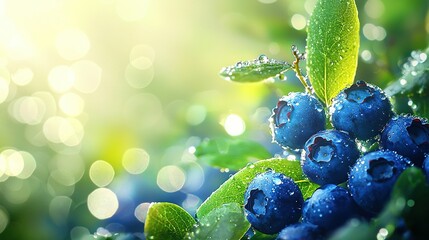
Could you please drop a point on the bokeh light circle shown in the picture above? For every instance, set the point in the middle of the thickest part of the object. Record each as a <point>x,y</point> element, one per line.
<point>101,173</point>
<point>22,76</point>
<point>102,203</point>
<point>72,44</point>
<point>135,160</point>
<point>71,104</point>
<point>141,211</point>
<point>171,178</point>
<point>61,78</point>
<point>88,76</point>
<point>11,163</point>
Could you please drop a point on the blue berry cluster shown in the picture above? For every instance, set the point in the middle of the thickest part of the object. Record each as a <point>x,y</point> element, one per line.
<point>354,183</point>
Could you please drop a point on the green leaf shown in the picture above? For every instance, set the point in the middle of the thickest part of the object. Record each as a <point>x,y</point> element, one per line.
<point>332,47</point>
<point>254,70</point>
<point>410,199</point>
<point>415,76</point>
<point>167,221</point>
<point>232,190</point>
<point>230,153</point>
<point>261,236</point>
<point>226,222</point>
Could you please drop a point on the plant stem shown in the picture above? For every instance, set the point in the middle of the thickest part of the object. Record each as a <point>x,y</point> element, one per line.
<point>295,67</point>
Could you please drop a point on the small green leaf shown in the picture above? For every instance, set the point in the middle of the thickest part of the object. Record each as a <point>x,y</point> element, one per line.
<point>167,221</point>
<point>261,236</point>
<point>226,222</point>
<point>332,47</point>
<point>230,153</point>
<point>254,70</point>
<point>232,190</point>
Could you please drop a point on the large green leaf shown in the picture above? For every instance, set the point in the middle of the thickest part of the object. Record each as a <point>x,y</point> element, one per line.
<point>230,153</point>
<point>226,222</point>
<point>232,190</point>
<point>332,47</point>
<point>167,221</point>
<point>254,70</point>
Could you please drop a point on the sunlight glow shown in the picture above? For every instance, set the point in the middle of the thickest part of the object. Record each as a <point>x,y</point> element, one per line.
<point>234,125</point>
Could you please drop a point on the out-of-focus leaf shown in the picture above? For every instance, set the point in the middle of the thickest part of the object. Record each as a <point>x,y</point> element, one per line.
<point>254,70</point>
<point>231,153</point>
<point>411,196</point>
<point>415,76</point>
<point>232,191</point>
<point>414,83</point>
<point>332,47</point>
<point>226,222</point>
<point>167,221</point>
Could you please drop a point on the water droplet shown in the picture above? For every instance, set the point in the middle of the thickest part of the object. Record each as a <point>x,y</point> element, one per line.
<point>263,59</point>
<point>294,48</point>
<point>277,181</point>
<point>238,64</point>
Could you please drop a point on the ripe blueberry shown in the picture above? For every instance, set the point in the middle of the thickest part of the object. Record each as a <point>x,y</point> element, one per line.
<point>329,207</point>
<point>372,178</point>
<point>300,231</point>
<point>328,156</point>
<point>408,136</point>
<point>426,168</point>
<point>296,117</point>
<point>272,201</point>
<point>361,110</point>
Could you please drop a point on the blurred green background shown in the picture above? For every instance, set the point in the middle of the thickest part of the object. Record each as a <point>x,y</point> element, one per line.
<point>103,102</point>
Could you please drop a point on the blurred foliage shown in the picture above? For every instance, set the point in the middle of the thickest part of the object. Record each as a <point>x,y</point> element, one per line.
<point>135,83</point>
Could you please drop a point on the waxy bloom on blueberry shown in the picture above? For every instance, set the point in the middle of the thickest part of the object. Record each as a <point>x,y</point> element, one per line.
<point>296,117</point>
<point>408,136</point>
<point>300,231</point>
<point>327,157</point>
<point>372,178</point>
<point>425,167</point>
<point>362,110</point>
<point>329,207</point>
<point>272,201</point>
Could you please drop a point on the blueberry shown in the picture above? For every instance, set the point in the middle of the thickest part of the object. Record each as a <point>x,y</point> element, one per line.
<point>328,156</point>
<point>372,178</point>
<point>408,136</point>
<point>301,231</point>
<point>425,167</point>
<point>296,117</point>
<point>361,110</point>
<point>329,207</point>
<point>272,201</point>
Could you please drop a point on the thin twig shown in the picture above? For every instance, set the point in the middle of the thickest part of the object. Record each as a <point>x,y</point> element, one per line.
<point>295,67</point>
